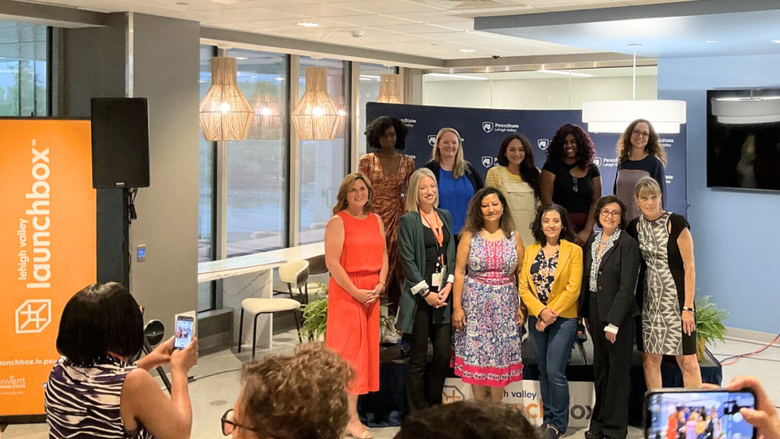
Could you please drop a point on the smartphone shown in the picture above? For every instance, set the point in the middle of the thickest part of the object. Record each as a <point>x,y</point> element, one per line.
<point>698,414</point>
<point>184,331</point>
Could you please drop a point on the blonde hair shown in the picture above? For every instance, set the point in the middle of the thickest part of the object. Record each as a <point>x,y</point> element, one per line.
<point>346,185</point>
<point>412,201</point>
<point>461,165</point>
<point>647,185</point>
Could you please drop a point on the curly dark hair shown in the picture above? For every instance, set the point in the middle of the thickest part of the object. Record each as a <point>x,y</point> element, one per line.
<point>302,395</point>
<point>528,170</point>
<point>653,146</point>
<point>585,149</point>
<point>609,199</point>
<point>475,222</point>
<point>567,232</point>
<point>377,128</point>
<point>468,420</point>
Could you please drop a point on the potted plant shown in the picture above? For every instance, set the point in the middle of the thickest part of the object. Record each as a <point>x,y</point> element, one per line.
<point>709,324</point>
<point>315,316</point>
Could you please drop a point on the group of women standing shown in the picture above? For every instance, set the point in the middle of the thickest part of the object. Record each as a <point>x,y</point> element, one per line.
<point>469,266</point>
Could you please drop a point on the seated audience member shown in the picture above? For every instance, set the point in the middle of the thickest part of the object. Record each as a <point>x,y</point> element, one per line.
<point>303,395</point>
<point>468,420</point>
<point>96,390</point>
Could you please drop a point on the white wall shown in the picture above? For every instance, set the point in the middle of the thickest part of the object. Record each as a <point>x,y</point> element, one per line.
<point>534,94</point>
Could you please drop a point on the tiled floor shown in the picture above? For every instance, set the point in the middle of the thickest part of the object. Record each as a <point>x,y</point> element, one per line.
<point>217,384</point>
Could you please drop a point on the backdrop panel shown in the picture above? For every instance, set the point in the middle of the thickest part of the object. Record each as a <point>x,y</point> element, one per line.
<point>483,130</point>
<point>47,233</point>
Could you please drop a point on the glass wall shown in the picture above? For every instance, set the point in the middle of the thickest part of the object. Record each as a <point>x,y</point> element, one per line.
<point>257,167</point>
<point>23,69</point>
<point>207,183</point>
<point>323,162</point>
<point>369,92</point>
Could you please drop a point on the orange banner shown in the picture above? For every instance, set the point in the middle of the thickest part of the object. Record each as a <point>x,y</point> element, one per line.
<point>48,241</point>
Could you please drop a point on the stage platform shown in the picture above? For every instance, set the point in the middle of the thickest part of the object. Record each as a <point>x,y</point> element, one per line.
<point>386,407</point>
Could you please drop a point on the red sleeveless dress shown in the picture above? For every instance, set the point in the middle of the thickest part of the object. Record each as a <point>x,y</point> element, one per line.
<point>353,328</point>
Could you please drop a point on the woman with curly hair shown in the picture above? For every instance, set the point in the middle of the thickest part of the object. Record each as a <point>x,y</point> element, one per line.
<point>292,396</point>
<point>486,310</point>
<point>389,172</point>
<point>550,283</point>
<point>639,155</point>
<point>571,179</point>
<point>517,177</point>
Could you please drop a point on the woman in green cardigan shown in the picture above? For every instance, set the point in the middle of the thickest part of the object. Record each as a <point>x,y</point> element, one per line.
<point>426,246</point>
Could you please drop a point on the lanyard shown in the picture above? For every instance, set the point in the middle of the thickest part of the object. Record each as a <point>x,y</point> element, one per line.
<point>438,231</point>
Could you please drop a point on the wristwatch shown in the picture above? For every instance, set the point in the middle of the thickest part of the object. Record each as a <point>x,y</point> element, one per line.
<point>686,308</point>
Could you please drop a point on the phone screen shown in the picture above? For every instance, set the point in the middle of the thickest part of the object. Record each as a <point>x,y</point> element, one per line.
<point>698,414</point>
<point>184,326</point>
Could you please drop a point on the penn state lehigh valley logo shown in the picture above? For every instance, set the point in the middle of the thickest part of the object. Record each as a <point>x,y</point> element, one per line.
<point>487,126</point>
<point>543,143</point>
<point>488,161</point>
<point>432,139</point>
<point>598,161</point>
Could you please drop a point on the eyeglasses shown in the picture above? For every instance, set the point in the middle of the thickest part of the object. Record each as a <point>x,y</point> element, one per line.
<point>229,425</point>
<point>640,133</point>
<point>613,213</point>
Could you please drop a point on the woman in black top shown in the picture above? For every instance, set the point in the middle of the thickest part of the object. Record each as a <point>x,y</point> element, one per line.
<point>608,304</point>
<point>571,179</point>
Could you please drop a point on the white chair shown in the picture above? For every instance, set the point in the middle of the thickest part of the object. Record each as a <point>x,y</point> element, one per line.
<point>259,307</point>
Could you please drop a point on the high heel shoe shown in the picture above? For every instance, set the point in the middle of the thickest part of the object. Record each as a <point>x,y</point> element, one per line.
<point>366,434</point>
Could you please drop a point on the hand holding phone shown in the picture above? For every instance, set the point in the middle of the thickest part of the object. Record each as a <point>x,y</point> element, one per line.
<point>184,331</point>
<point>698,414</point>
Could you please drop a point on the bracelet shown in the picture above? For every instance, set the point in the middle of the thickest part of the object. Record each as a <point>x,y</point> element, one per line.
<point>426,293</point>
<point>685,308</point>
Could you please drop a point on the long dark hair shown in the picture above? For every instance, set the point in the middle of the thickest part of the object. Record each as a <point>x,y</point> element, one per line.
<point>585,149</point>
<point>528,170</point>
<point>566,230</point>
<point>475,222</point>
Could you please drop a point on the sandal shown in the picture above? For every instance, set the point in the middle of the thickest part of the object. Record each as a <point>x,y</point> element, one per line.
<point>365,435</point>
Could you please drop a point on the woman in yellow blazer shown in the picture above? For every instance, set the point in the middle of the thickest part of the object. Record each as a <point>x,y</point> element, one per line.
<point>549,287</point>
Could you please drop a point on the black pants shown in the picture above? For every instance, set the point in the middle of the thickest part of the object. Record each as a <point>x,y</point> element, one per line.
<point>424,388</point>
<point>611,374</point>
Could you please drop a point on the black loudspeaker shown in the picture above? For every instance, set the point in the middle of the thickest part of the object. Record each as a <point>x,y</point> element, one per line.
<point>120,143</point>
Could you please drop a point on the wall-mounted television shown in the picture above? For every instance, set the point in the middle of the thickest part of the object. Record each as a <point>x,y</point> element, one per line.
<point>743,139</point>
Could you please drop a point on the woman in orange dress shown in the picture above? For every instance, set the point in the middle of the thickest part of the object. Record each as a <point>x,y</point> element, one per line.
<point>389,172</point>
<point>356,256</point>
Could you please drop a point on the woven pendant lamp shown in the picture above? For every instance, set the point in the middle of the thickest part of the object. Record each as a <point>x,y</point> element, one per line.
<point>388,89</point>
<point>225,114</point>
<point>316,116</point>
<point>267,121</point>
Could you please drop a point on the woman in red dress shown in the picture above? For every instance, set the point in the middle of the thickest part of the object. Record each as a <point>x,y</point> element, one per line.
<point>389,172</point>
<point>356,256</point>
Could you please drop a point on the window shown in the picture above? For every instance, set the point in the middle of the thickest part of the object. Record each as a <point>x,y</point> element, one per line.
<point>257,167</point>
<point>369,92</point>
<point>23,70</point>
<point>206,183</point>
<point>323,162</point>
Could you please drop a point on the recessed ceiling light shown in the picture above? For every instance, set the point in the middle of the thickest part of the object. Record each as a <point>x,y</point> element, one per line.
<point>308,24</point>
<point>467,50</point>
<point>711,41</point>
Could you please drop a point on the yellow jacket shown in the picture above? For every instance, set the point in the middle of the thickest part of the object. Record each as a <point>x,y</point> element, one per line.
<point>565,288</point>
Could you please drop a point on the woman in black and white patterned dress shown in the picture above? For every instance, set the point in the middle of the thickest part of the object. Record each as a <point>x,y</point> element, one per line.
<point>667,288</point>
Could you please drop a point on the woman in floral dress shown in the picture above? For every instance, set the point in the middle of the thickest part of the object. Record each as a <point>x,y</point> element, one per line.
<point>389,172</point>
<point>486,309</point>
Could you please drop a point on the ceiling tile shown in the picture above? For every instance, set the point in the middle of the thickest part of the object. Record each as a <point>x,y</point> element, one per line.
<point>418,29</point>
<point>315,10</point>
<point>387,7</point>
<point>432,17</point>
<point>369,20</point>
